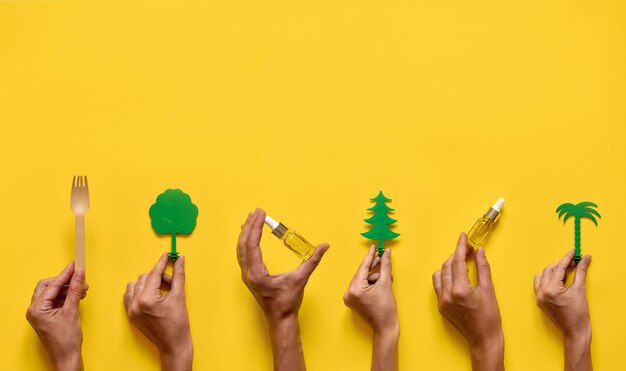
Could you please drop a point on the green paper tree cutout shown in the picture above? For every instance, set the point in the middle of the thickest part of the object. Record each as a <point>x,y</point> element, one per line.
<point>380,222</point>
<point>578,211</point>
<point>173,213</point>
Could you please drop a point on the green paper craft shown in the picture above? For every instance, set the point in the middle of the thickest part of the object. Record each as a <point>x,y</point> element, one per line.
<point>380,222</point>
<point>578,211</point>
<point>173,213</point>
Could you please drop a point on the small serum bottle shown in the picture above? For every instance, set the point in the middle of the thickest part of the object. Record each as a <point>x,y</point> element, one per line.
<point>479,232</point>
<point>292,239</point>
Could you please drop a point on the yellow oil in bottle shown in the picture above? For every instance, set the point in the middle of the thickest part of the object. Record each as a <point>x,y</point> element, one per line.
<point>296,243</point>
<point>477,235</point>
<point>292,239</point>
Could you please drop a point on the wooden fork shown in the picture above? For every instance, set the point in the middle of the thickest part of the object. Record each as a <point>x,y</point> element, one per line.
<point>79,203</point>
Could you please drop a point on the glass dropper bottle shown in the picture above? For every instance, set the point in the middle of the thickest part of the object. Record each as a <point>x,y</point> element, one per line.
<point>292,239</point>
<point>479,232</point>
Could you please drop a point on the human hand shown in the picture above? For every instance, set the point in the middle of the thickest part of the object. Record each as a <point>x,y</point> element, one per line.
<point>567,307</point>
<point>472,310</point>
<point>53,314</point>
<point>162,319</point>
<point>279,295</point>
<point>371,295</point>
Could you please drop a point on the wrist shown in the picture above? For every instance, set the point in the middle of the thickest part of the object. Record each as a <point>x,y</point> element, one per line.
<point>578,351</point>
<point>389,332</point>
<point>488,353</point>
<point>283,321</point>
<point>179,358</point>
<point>72,361</point>
<point>579,341</point>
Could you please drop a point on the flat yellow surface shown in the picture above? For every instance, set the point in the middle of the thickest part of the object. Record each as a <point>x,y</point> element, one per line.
<point>308,109</point>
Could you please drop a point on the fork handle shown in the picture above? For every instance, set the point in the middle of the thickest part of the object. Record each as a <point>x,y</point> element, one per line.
<point>79,244</point>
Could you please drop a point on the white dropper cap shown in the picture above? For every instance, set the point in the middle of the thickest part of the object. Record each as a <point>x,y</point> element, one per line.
<point>498,205</point>
<point>271,222</point>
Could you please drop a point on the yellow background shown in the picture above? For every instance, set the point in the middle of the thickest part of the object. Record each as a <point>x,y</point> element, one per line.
<point>308,109</point>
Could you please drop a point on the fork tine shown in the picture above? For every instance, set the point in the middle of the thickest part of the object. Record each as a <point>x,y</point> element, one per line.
<point>81,181</point>
<point>74,182</point>
<point>86,184</point>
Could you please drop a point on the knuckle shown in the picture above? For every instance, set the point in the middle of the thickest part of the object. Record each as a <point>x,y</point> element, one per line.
<point>252,280</point>
<point>134,312</point>
<point>31,313</point>
<point>458,292</point>
<point>445,302</point>
<point>75,290</point>
<point>315,261</point>
<point>346,299</point>
<point>144,303</point>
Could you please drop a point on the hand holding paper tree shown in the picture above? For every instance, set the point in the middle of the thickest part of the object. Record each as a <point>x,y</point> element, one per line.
<point>173,213</point>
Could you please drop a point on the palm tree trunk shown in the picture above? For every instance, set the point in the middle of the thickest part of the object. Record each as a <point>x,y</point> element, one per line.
<point>577,256</point>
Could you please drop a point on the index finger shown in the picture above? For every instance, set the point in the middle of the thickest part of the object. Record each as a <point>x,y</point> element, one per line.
<point>364,268</point>
<point>561,266</point>
<point>41,285</point>
<point>253,254</point>
<point>242,243</point>
<point>52,291</point>
<point>154,277</point>
<point>459,267</point>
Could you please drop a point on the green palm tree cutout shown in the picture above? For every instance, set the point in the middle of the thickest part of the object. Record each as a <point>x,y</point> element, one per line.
<point>380,222</point>
<point>578,211</point>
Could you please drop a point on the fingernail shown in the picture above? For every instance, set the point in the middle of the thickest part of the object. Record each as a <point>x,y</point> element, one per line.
<point>481,251</point>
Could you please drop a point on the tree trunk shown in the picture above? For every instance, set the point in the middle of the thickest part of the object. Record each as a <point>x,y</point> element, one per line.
<point>173,254</point>
<point>577,255</point>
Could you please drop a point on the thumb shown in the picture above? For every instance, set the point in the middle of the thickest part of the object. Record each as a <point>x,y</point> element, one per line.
<point>483,269</point>
<point>75,290</point>
<point>307,267</point>
<point>385,267</point>
<point>581,271</point>
<point>178,277</point>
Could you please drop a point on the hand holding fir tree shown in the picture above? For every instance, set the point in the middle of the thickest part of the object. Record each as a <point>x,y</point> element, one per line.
<point>380,222</point>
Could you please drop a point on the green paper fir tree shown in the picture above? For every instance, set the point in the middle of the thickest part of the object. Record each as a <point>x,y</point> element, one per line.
<point>380,222</point>
<point>578,211</point>
<point>173,213</point>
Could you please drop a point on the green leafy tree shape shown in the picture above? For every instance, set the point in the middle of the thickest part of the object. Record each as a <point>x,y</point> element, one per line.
<point>380,222</point>
<point>173,213</point>
<point>578,211</point>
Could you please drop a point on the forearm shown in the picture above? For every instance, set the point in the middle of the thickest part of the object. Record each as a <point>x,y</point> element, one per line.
<point>286,344</point>
<point>489,355</point>
<point>385,349</point>
<point>578,352</point>
<point>178,360</point>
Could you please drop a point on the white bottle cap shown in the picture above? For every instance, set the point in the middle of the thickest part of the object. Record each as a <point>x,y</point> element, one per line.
<point>271,222</point>
<point>498,205</point>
